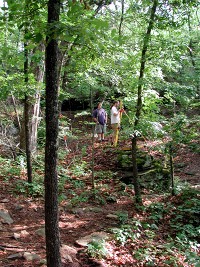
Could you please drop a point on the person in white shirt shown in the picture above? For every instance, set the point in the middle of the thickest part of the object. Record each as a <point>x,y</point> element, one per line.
<point>115,120</point>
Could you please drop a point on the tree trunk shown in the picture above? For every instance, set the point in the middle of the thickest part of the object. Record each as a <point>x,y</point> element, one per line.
<point>139,101</point>
<point>26,119</point>
<point>51,149</point>
<point>194,65</point>
<point>39,74</point>
<point>172,169</point>
<point>138,198</point>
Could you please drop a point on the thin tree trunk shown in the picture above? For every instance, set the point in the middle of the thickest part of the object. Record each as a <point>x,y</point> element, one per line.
<point>139,102</point>
<point>51,149</point>
<point>39,74</point>
<point>172,169</point>
<point>26,119</point>
<point>136,184</point>
<point>143,61</point>
<point>122,18</point>
<point>16,112</point>
<point>35,122</point>
<point>196,70</point>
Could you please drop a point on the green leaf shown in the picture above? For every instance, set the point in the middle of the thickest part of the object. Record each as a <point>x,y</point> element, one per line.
<point>38,38</point>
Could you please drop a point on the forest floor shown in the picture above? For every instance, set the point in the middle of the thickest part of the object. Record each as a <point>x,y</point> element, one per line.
<point>82,214</point>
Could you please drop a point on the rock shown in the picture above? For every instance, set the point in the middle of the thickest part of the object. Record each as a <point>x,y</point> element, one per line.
<point>180,165</point>
<point>30,256</point>
<point>5,200</point>
<point>112,216</point>
<point>79,211</point>
<point>15,256</point>
<point>95,209</point>
<point>5,216</point>
<point>16,236</point>
<point>18,207</point>
<point>24,233</point>
<point>190,173</point>
<point>43,262</point>
<point>96,236</point>
<point>41,232</point>
<point>68,253</point>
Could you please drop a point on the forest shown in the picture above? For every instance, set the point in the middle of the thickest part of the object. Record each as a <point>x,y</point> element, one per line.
<point>67,199</point>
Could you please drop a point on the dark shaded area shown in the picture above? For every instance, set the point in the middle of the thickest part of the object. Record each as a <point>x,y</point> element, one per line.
<point>72,105</point>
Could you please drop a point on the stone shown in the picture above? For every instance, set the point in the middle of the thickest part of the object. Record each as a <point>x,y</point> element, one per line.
<point>18,207</point>
<point>180,165</point>
<point>41,232</point>
<point>190,173</point>
<point>96,236</point>
<point>15,256</point>
<point>5,216</point>
<point>95,209</point>
<point>5,200</point>
<point>16,236</point>
<point>112,216</point>
<point>68,253</point>
<point>30,256</point>
<point>24,233</point>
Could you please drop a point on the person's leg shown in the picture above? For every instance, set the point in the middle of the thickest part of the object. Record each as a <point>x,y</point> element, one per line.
<point>103,132</point>
<point>99,137</point>
<point>99,131</point>
<point>114,135</point>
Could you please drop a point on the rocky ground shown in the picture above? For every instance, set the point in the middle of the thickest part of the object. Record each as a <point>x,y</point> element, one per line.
<point>22,241</point>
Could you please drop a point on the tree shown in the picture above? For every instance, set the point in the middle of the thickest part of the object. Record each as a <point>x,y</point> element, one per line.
<point>139,101</point>
<point>51,177</point>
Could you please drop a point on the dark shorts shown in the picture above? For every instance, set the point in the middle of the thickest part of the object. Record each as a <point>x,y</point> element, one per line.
<point>100,128</point>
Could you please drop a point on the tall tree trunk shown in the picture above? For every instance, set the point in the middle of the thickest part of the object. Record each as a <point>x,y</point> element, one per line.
<point>38,71</point>
<point>51,149</point>
<point>138,197</point>
<point>122,18</point>
<point>139,101</point>
<point>16,111</point>
<point>191,53</point>
<point>26,119</point>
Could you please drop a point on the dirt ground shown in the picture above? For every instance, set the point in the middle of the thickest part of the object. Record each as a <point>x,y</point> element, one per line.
<point>78,221</point>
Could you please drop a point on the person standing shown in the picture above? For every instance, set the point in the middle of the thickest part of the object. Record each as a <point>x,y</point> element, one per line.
<point>115,120</point>
<point>100,117</point>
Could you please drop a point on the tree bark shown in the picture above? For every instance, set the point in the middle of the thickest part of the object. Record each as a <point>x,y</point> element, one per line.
<point>139,102</point>
<point>51,149</point>
<point>143,61</point>
<point>194,65</point>
<point>38,71</point>
<point>138,198</point>
<point>26,119</point>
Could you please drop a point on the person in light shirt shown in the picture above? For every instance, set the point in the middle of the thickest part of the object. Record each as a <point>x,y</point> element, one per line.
<point>115,119</point>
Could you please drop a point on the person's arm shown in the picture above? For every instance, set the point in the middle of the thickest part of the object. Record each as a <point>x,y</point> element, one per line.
<point>114,111</point>
<point>95,116</point>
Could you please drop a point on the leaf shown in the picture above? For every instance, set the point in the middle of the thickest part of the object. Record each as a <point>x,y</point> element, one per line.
<point>38,38</point>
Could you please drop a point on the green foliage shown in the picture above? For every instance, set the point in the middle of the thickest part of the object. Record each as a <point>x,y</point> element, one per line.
<point>122,216</point>
<point>97,249</point>
<point>103,175</point>
<point>121,235</point>
<point>132,231</point>
<point>34,189</point>
<point>187,225</point>
<point>80,169</point>
<point>79,198</point>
